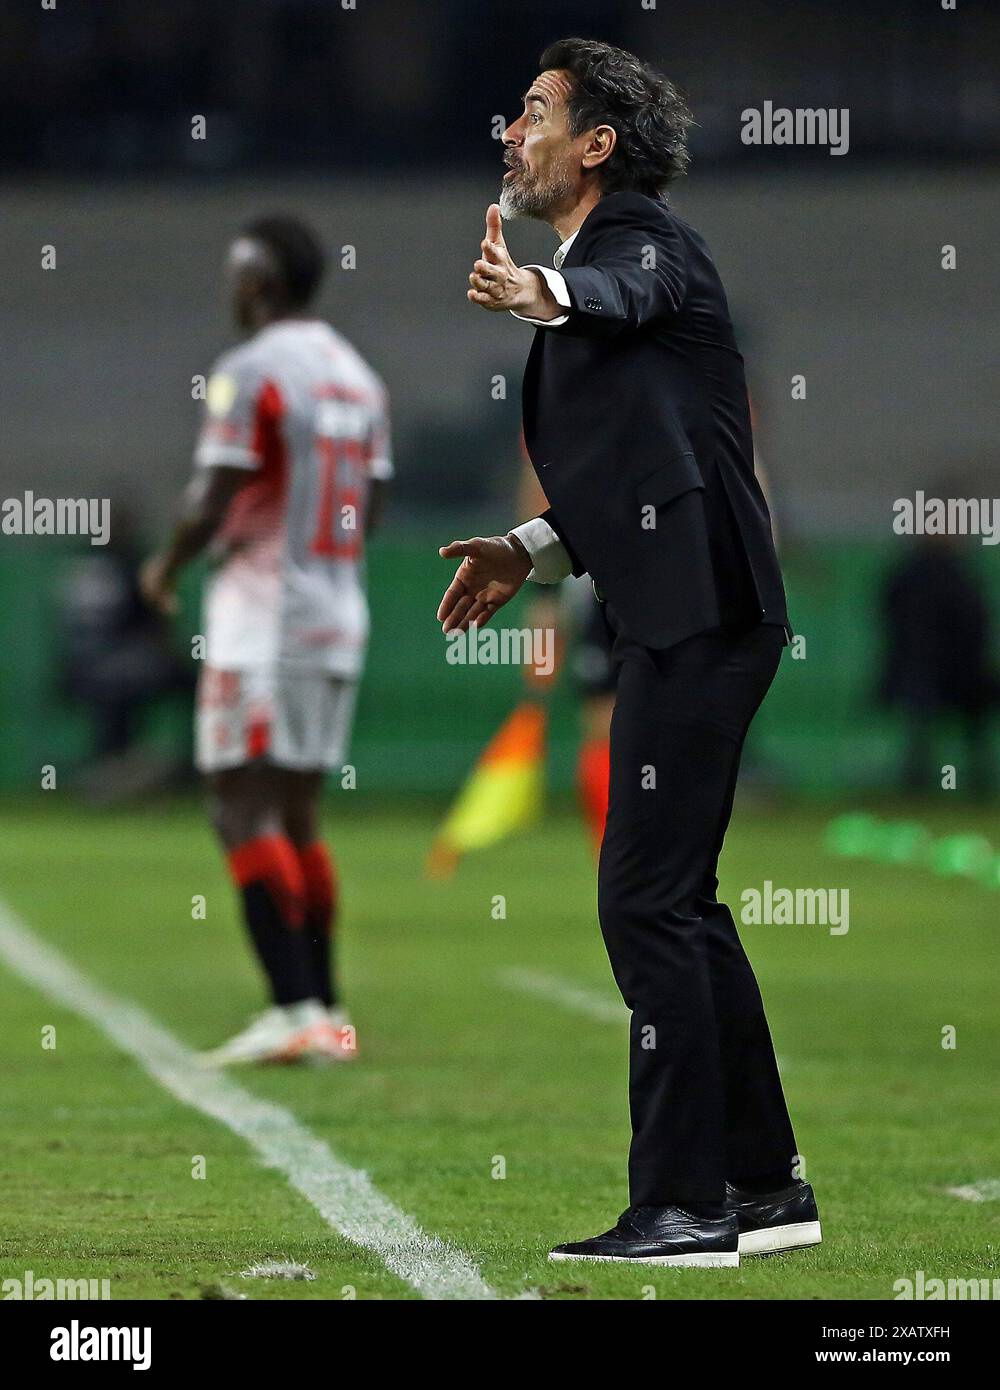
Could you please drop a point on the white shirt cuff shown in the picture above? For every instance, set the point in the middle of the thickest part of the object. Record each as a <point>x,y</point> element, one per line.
<point>549,557</point>
<point>211,455</point>
<point>560,294</point>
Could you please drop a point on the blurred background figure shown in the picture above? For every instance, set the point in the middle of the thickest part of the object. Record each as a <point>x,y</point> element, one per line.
<point>118,661</point>
<point>572,606</point>
<point>292,462</point>
<point>938,665</point>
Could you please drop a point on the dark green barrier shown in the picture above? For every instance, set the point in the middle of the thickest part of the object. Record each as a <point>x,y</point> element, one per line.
<point>421,721</point>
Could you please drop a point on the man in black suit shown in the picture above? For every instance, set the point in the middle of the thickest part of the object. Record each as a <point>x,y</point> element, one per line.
<point>637,424</point>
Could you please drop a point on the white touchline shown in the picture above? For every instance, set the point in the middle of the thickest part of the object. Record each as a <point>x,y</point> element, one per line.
<point>986,1191</point>
<point>344,1196</point>
<point>579,999</point>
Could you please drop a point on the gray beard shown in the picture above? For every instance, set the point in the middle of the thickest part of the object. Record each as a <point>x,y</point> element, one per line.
<point>518,199</point>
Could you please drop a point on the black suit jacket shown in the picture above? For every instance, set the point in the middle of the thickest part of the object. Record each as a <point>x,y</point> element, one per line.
<point>637,423</point>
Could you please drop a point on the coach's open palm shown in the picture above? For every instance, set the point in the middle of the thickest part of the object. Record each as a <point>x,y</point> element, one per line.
<point>493,568</point>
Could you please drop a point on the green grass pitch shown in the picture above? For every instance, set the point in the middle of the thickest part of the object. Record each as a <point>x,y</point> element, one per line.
<point>459,1070</point>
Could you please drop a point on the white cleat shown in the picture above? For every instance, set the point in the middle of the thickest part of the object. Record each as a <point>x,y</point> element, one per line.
<point>333,1038</point>
<point>280,1034</point>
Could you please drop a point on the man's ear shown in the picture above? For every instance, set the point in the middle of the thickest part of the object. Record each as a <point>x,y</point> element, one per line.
<point>600,146</point>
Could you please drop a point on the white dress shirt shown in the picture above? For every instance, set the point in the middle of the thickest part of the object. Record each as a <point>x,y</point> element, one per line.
<point>549,557</point>
<point>555,282</point>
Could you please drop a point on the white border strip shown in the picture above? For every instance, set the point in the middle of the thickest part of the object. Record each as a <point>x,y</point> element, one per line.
<point>344,1196</point>
<point>578,999</point>
<point>986,1191</point>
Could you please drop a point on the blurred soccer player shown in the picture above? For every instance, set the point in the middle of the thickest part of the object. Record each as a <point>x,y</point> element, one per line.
<point>591,666</point>
<point>290,465</point>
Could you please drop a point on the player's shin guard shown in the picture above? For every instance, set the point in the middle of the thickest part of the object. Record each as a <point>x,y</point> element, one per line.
<point>269,876</point>
<point>593,772</point>
<point>320,915</point>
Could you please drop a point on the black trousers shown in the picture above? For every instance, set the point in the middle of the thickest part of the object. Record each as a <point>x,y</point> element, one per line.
<point>705,1097</point>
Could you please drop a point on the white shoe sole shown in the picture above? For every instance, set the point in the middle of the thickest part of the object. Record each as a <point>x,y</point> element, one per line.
<point>704,1259</point>
<point>316,1057</point>
<point>274,1057</point>
<point>775,1239</point>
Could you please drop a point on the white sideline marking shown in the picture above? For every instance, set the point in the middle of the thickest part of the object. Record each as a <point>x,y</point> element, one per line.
<point>579,999</point>
<point>986,1191</point>
<point>344,1196</point>
<point>278,1269</point>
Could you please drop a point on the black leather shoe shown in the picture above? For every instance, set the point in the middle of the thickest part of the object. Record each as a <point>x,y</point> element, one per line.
<point>661,1236</point>
<point>773,1221</point>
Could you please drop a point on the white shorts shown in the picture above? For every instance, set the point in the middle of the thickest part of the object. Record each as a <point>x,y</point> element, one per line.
<point>294,719</point>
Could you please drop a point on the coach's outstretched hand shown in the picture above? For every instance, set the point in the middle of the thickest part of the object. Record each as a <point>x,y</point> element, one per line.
<point>497,283</point>
<point>491,572</point>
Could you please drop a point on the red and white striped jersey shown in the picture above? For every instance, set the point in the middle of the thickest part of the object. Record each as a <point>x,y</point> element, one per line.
<point>299,407</point>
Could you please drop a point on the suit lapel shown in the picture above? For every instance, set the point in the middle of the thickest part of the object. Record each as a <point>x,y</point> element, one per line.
<point>529,384</point>
<point>576,253</point>
<point>533,366</point>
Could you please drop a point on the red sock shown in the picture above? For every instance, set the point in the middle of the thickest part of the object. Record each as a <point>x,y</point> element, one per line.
<point>270,879</point>
<point>320,878</point>
<point>593,769</point>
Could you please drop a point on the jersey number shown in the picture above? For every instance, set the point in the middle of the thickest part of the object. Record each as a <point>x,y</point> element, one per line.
<point>340,523</point>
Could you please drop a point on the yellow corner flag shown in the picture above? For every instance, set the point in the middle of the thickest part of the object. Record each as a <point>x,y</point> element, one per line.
<point>503,792</point>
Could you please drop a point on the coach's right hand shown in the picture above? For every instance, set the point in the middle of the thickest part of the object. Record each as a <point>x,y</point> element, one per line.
<point>497,284</point>
<point>493,568</point>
